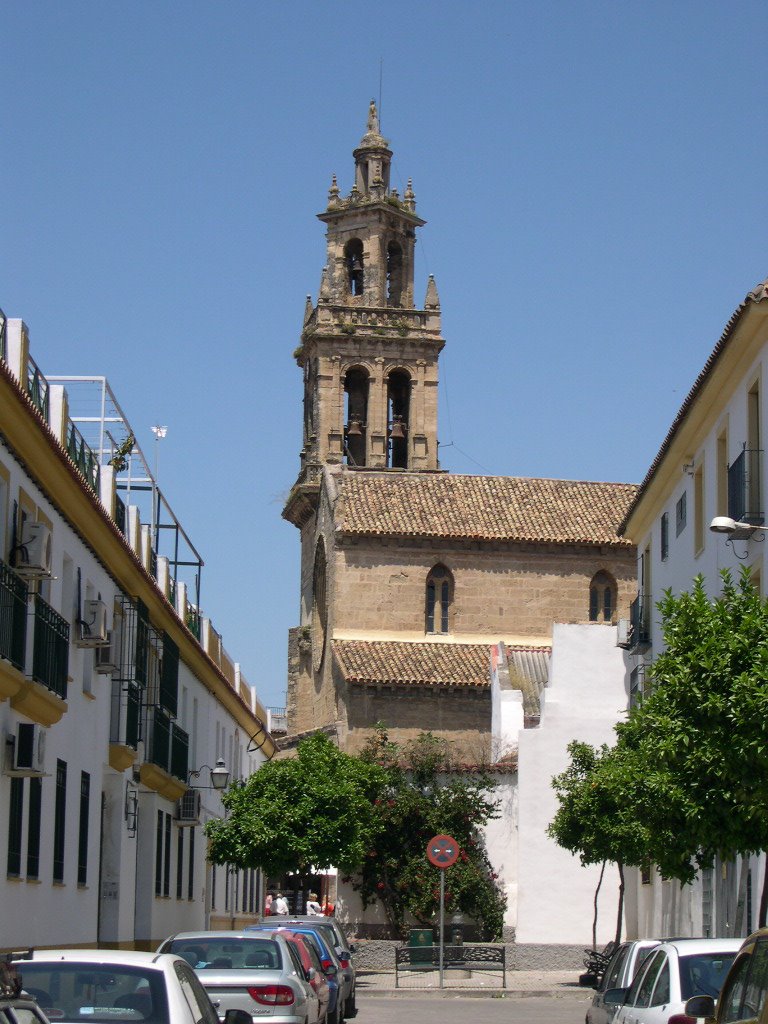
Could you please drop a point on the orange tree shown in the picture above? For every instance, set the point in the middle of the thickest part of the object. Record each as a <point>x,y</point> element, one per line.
<point>424,795</point>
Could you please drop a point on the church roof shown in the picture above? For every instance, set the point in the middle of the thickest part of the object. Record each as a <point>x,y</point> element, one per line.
<point>485,508</point>
<point>398,662</point>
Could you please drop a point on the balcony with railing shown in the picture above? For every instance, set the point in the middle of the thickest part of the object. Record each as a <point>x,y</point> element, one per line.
<point>82,456</point>
<point>50,651</point>
<point>38,389</point>
<point>13,617</point>
<point>639,634</point>
<point>179,753</point>
<point>745,503</point>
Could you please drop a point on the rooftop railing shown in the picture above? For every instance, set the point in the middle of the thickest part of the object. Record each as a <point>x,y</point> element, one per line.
<point>38,389</point>
<point>83,457</point>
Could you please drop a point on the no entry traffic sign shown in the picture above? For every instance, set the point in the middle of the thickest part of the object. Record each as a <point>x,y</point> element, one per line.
<point>442,851</point>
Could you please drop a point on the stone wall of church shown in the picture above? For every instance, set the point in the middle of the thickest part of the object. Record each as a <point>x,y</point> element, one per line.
<point>498,593</point>
<point>461,716</point>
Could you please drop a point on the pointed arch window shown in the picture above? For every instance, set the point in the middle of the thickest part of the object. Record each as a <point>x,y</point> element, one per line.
<point>439,598</point>
<point>602,597</point>
<point>353,257</point>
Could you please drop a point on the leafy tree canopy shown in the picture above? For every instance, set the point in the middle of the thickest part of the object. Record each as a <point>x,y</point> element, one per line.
<point>316,809</point>
<point>423,798</point>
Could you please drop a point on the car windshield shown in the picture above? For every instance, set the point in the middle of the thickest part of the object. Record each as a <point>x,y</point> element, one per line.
<point>74,991</point>
<point>227,954</point>
<point>704,973</point>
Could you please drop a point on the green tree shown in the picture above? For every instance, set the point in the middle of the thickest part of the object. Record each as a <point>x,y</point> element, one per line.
<point>424,797</point>
<point>314,809</point>
<point>688,777</point>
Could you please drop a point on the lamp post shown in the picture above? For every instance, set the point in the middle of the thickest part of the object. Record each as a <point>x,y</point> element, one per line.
<point>733,530</point>
<point>219,775</point>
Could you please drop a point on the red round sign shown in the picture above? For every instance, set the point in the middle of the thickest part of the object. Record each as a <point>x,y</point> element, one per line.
<point>442,851</point>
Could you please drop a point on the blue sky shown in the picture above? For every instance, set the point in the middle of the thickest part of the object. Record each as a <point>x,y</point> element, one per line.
<point>593,177</point>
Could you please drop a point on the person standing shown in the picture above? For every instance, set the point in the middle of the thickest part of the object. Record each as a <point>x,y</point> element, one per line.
<point>313,907</point>
<point>280,905</point>
<point>268,904</point>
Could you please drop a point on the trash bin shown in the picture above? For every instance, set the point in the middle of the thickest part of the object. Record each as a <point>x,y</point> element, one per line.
<point>420,941</point>
<point>457,935</point>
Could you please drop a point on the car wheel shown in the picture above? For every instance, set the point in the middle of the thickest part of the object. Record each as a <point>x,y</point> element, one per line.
<point>350,1010</point>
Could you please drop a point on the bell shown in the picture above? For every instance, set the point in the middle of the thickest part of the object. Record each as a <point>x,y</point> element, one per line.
<point>353,430</point>
<point>397,433</point>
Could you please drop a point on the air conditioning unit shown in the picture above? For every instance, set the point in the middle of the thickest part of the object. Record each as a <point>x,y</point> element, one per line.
<point>33,554</point>
<point>106,656</point>
<point>29,749</point>
<point>93,625</point>
<point>623,632</point>
<point>188,808</point>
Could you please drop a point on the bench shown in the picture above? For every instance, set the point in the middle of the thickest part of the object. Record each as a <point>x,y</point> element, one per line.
<point>455,958</point>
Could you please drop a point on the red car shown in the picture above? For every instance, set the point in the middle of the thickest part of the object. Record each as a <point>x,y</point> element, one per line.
<point>313,969</point>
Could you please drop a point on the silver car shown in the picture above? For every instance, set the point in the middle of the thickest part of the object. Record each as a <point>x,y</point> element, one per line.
<point>261,975</point>
<point>622,967</point>
<point>103,986</point>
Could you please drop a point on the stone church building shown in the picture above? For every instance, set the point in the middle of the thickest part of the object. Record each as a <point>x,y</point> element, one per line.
<point>408,573</point>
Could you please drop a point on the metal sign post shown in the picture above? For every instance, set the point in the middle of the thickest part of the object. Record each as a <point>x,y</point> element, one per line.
<point>442,852</point>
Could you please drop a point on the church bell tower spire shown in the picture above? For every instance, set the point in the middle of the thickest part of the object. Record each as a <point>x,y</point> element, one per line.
<point>369,356</point>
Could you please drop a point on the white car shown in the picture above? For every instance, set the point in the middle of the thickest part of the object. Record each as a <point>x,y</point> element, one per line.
<point>621,969</point>
<point>99,986</point>
<point>673,972</point>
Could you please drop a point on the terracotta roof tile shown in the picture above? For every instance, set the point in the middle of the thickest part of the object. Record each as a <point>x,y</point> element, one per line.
<point>487,508</point>
<point>396,662</point>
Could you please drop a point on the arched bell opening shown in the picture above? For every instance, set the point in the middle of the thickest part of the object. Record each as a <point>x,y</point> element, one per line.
<point>353,257</point>
<point>394,274</point>
<point>439,599</point>
<point>355,415</point>
<point>398,411</point>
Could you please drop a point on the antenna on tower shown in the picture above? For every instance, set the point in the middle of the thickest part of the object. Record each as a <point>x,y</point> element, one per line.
<point>381,78</point>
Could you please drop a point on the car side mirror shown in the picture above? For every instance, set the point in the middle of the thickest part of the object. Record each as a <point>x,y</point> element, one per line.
<point>237,1017</point>
<point>332,971</point>
<point>615,996</point>
<point>700,1006</point>
<point>310,973</point>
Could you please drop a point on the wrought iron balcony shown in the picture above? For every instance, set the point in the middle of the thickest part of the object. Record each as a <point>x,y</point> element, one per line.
<point>13,617</point>
<point>745,503</point>
<point>50,652</point>
<point>640,623</point>
<point>160,739</point>
<point>83,457</point>
<point>179,753</point>
<point>37,388</point>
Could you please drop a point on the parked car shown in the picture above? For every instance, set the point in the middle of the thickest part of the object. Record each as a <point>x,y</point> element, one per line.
<point>622,967</point>
<point>17,1006</point>
<point>262,975</point>
<point>337,938</point>
<point>326,974</point>
<point>106,986</point>
<point>672,973</point>
<point>743,996</point>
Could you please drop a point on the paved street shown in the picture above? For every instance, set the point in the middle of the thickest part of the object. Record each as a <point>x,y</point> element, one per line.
<point>568,1008</point>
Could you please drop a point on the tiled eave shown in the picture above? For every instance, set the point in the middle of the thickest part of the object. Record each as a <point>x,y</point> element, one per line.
<point>37,449</point>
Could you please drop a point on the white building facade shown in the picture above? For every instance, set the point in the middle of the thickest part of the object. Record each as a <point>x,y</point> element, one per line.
<point>117,698</point>
<point>712,463</point>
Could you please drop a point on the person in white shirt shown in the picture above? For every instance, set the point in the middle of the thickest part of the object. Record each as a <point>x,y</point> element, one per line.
<point>280,905</point>
<point>313,907</point>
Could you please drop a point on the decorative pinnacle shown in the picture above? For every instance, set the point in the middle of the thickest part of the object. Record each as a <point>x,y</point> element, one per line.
<point>333,192</point>
<point>409,197</point>
<point>373,119</point>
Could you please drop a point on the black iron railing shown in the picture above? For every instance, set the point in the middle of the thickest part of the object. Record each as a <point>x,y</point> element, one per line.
<point>120,514</point>
<point>640,621</point>
<point>50,658</point>
<point>83,457</point>
<point>745,488</point>
<point>37,388</point>
<point>13,617</point>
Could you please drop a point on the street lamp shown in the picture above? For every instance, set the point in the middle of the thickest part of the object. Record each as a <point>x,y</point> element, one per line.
<point>219,775</point>
<point>724,524</point>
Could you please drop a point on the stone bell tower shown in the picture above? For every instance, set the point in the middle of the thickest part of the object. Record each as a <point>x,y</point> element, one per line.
<point>369,356</point>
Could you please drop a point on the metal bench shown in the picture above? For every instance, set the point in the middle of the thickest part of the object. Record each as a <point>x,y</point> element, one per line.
<point>455,958</point>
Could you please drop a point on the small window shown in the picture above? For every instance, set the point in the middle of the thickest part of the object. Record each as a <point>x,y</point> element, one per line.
<point>602,597</point>
<point>681,514</point>
<point>665,537</point>
<point>439,599</point>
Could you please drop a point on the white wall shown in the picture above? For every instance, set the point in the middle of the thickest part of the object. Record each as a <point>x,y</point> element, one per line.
<point>585,698</point>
